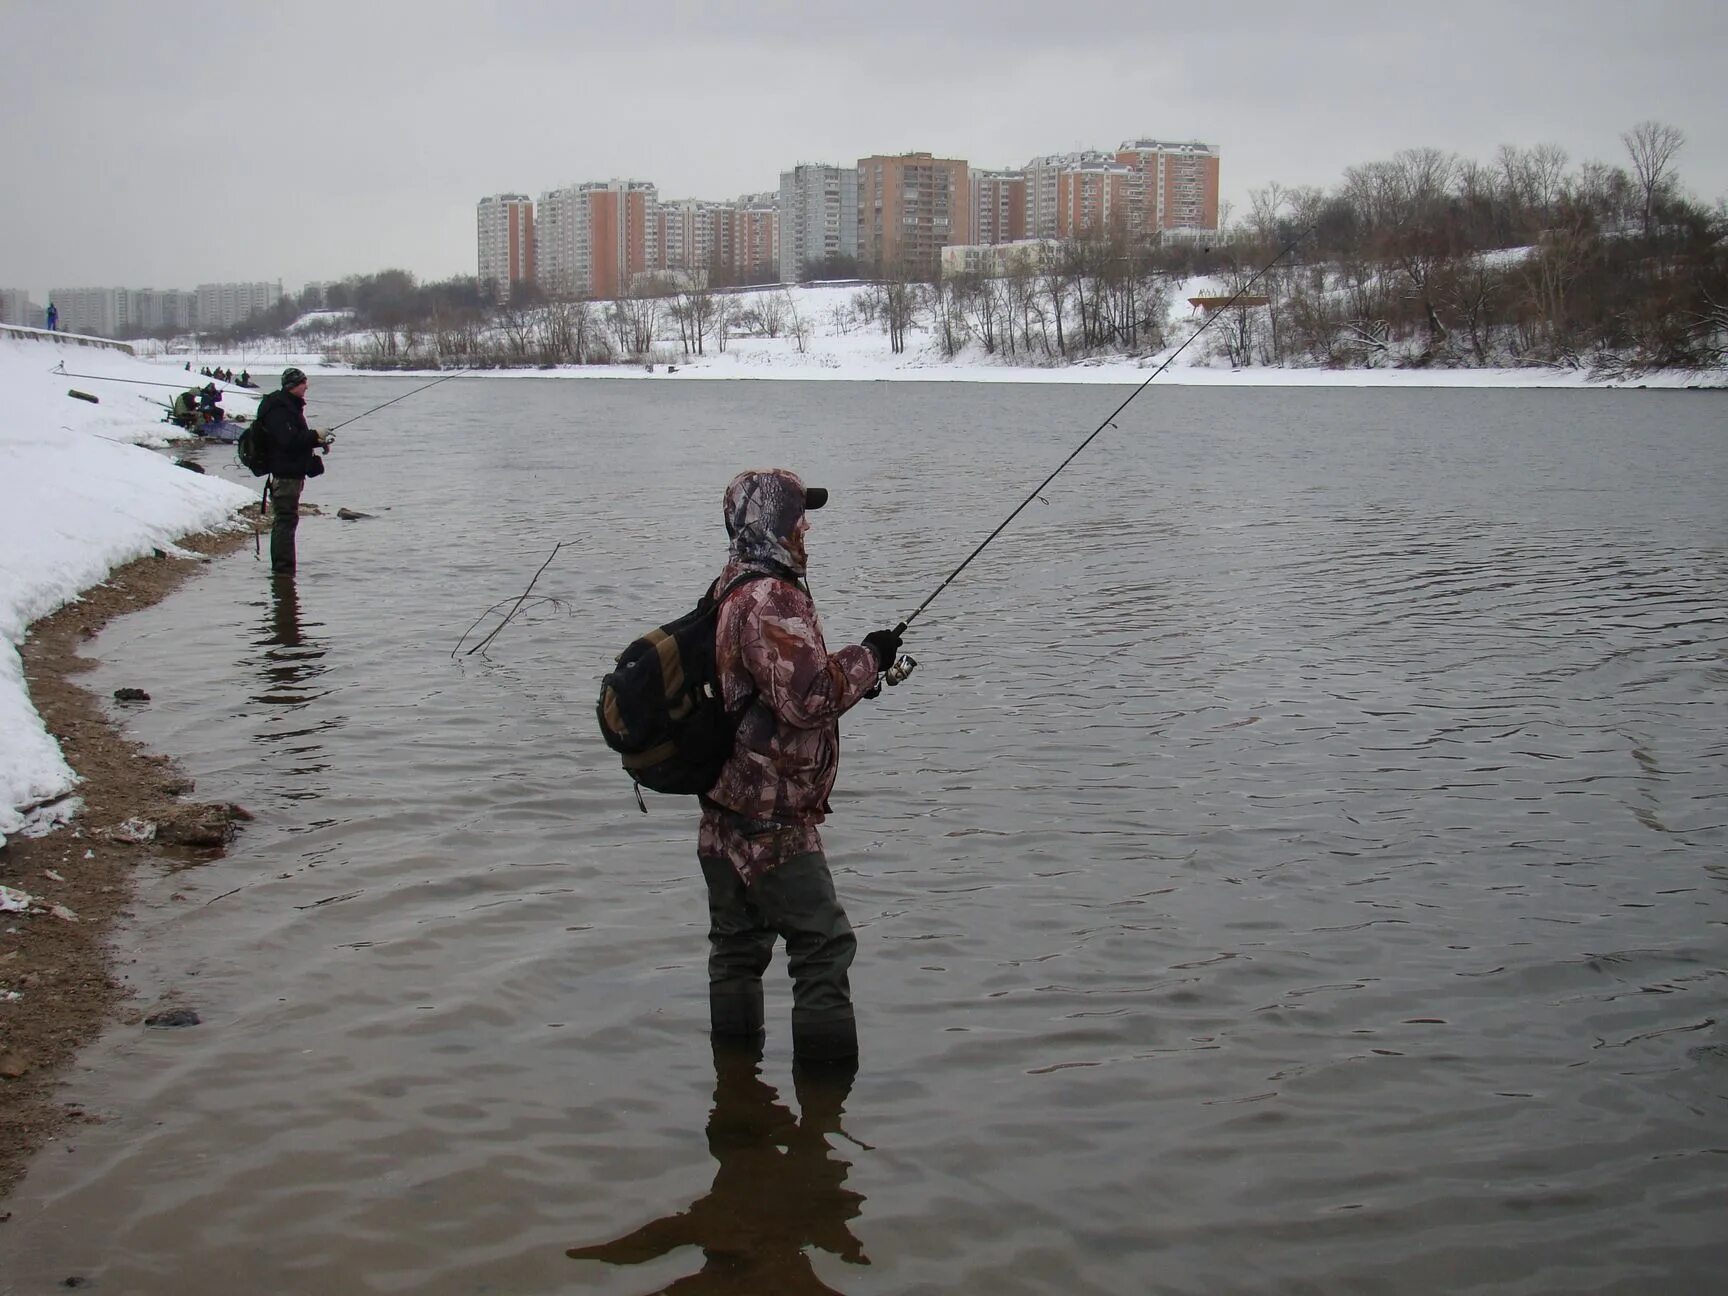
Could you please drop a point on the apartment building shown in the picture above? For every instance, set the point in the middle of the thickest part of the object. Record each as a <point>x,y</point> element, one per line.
<point>86,310</point>
<point>130,312</point>
<point>911,206</point>
<point>998,207</point>
<point>694,234</point>
<point>818,218</point>
<point>995,259</point>
<point>223,305</point>
<point>756,239</point>
<point>593,239</point>
<point>1075,195</point>
<point>504,234</point>
<point>1176,184</point>
<point>17,308</point>
<point>144,310</point>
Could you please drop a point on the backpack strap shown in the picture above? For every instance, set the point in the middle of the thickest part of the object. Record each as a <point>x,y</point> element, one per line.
<point>732,587</point>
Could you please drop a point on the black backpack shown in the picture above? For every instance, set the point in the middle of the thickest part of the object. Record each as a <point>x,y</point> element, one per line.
<point>250,449</point>
<point>660,708</point>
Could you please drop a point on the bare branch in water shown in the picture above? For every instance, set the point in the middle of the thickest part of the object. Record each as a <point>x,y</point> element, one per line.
<point>520,600</point>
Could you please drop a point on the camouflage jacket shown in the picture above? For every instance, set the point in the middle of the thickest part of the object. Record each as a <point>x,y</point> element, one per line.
<point>773,665</point>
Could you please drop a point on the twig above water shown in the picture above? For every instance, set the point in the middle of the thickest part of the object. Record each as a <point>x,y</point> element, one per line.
<point>521,599</point>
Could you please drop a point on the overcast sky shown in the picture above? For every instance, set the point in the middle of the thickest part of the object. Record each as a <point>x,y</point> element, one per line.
<point>179,142</point>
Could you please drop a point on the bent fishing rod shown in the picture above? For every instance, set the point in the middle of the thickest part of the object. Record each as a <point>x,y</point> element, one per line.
<point>905,665</point>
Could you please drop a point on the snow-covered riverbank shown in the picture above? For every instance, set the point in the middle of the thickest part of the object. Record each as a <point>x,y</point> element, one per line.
<point>820,336</point>
<point>80,494</point>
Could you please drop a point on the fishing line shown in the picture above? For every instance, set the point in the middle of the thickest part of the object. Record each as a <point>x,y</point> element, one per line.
<point>1110,421</point>
<point>404,396</point>
<point>233,389</point>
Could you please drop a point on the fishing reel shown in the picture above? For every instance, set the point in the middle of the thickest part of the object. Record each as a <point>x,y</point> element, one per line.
<point>325,441</point>
<point>903,666</point>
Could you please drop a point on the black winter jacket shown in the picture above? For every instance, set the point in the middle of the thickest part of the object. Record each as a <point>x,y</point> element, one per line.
<point>293,446</point>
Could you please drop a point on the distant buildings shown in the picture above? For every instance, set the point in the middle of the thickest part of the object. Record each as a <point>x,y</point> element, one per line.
<point>1178,184</point>
<point>757,246</point>
<point>505,228</point>
<point>592,239</point>
<point>17,308</point>
<point>129,312</point>
<point>891,214</point>
<point>998,206</point>
<point>818,206</point>
<point>910,206</point>
<point>223,305</point>
<point>991,260</point>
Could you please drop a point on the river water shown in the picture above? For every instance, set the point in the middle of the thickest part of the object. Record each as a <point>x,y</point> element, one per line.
<point>1299,863</point>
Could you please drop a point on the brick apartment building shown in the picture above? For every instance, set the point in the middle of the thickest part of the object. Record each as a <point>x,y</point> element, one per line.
<point>504,231</point>
<point>593,239</point>
<point>756,242</point>
<point>998,206</point>
<point>911,206</point>
<point>1075,195</point>
<point>1176,183</point>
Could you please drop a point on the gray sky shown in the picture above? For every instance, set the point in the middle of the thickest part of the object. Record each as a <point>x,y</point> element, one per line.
<point>183,141</point>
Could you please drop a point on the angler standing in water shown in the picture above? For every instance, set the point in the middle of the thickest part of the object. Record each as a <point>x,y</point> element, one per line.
<point>293,457</point>
<point>759,847</point>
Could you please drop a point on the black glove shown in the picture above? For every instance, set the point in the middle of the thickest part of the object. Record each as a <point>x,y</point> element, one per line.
<point>885,644</point>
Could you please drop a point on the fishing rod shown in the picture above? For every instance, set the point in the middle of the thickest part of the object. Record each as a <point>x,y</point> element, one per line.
<point>404,396</point>
<point>904,667</point>
<point>231,389</point>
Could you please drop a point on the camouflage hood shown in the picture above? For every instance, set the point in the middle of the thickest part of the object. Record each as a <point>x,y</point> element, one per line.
<point>763,509</point>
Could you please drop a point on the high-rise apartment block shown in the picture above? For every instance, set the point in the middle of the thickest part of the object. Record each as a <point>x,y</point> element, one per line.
<point>818,206</point>
<point>998,206</point>
<point>696,235</point>
<point>756,247</point>
<point>96,311</point>
<point>593,239</point>
<point>17,308</point>
<point>1079,195</point>
<point>1177,184</point>
<point>223,305</point>
<point>911,206</point>
<point>128,312</point>
<point>504,229</point>
<point>148,309</point>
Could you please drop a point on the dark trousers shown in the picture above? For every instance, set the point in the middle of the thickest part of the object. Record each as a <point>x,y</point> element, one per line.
<point>285,510</point>
<point>795,901</point>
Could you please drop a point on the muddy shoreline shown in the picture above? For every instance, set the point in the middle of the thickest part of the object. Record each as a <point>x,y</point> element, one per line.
<point>63,969</point>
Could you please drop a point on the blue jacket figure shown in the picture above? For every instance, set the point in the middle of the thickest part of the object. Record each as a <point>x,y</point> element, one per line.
<point>53,316</point>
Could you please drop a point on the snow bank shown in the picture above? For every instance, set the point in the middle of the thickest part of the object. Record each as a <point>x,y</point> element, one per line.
<point>79,495</point>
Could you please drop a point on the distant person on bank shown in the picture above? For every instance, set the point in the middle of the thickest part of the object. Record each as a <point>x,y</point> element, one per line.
<point>53,317</point>
<point>293,449</point>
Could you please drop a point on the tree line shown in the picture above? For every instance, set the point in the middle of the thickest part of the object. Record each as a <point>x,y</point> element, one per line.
<point>1422,259</point>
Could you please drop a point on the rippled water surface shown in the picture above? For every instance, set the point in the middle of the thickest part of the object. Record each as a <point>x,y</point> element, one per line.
<point>1298,864</point>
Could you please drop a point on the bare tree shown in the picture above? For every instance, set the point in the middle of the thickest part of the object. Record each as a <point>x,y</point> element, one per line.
<point>1652,146</point>
<point>771,314</point>
<point>897,307</point>
<point>799,326</point>
<point>694,310</point>
<point>1264,206</point>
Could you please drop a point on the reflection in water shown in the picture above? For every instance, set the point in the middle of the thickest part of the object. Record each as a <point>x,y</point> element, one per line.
<point>292,662</point>
<point>291,659</point>
<point>778,1190</point>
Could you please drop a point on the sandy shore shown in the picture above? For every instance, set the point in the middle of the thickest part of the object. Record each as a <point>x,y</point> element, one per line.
<point>63,969</point>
